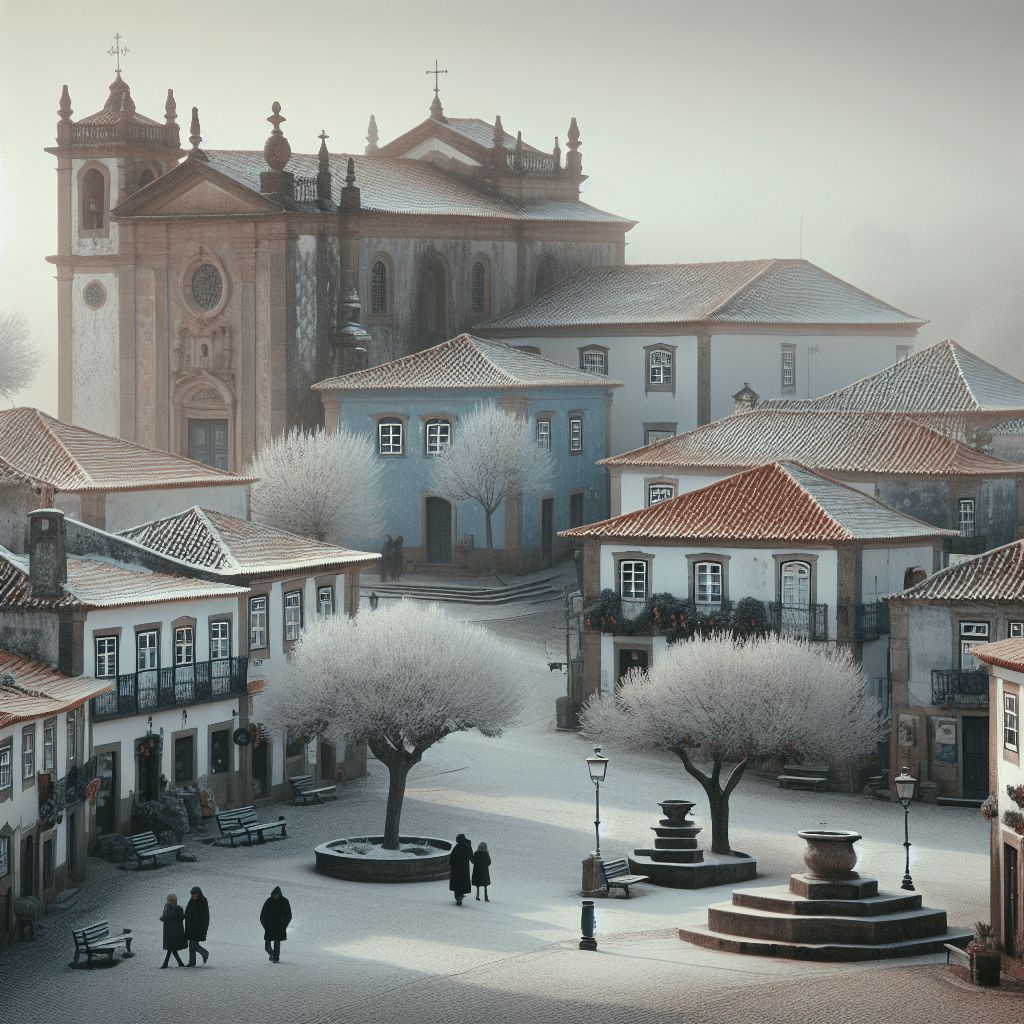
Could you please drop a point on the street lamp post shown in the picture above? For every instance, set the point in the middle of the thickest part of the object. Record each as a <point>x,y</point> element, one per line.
<point>905,793</point>
<point>598,766</point>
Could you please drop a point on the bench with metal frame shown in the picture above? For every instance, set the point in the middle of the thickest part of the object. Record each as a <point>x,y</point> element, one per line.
<point>961,954</point>
<point>242,823</point>
<point>147,847</point>
<point>801,775</point>
<point>96,940</point>
<point>305,786</point>
<point>616,872</point>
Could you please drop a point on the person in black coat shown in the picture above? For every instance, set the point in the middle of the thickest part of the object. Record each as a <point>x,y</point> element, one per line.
<point>481,871</point>
<point>274,917</point>
<point>460,858</point>
<point>173,918</point>
<point>197,924</point>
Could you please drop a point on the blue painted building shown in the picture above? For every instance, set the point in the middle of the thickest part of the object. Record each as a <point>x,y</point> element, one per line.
<point>412,407</point>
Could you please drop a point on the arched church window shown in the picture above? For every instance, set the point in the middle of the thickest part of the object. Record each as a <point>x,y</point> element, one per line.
<point>94,189</point>
<point>146,177</point>
<point>379,289</point>
<point>479,290</point>
<point>207,286</point>
<point>545,275</point>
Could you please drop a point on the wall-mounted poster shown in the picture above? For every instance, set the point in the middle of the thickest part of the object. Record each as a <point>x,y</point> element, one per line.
<point>945,732</point>
<point>908,730</point>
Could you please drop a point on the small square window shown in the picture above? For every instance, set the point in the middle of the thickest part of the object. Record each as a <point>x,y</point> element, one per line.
<point>6,758</point>
<point>650,436</point>
<point>544,434</point>
<point>257,622</point>
<point>106,657</point>
<point>1011,722</point>
<point>325,600</point>
<point>439,436</point>
<point>660,367</point>
<point>965,512</point>
<point>1017,629</point>
<point>660,492</point>
<point>575,434</point>
<point>594,361</point>
<point>633,581</point>
<point>293,615</point>
<point>389,434</point>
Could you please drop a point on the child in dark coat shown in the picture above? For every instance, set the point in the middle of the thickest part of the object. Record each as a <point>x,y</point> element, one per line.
<point>481,870</point>
<point>173,918</point>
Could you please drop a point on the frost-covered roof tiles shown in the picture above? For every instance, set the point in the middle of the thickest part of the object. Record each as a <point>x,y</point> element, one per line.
<point>482,133</point>
<point>238,547</point>
<point>782,501</point>
<point>39,448</point>
<point>944,378</point>
<point>468,362</point>
<point>997,575</point>
<point>827,441</point>
<point>40,691</point>
<point>770,291</point>
<point>1007,654</point>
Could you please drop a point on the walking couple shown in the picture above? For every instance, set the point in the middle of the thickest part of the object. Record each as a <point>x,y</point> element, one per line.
<point>186,927</point>
<point>460,882</point>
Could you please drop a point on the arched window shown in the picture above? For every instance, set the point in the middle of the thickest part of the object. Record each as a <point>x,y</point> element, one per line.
<point>545,275</point>
<point>379,289</point>
<point>479,290</point>
<point>146,177</point>
<point>93,204</point>
<point>796,584</point>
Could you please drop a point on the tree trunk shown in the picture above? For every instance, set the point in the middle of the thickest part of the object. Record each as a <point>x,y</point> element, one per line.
<point>718,797</point>
<point>399,763</point>
<point>490,549</point>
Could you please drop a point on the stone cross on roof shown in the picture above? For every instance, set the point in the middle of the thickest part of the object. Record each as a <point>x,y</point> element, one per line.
<point>436,110</point>
<point>117,50</point>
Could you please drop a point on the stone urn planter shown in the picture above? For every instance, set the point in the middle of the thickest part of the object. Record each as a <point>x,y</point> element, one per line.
<point>986,964</point>
<point>675,811</point>
<point>830,855</point>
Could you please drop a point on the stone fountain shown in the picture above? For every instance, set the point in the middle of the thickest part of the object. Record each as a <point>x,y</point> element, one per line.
<point>827,913</point>
<point>677,861</point>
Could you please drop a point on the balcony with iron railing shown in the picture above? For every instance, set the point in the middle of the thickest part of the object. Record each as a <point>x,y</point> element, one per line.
<point>872,621</point>
<point>961,687</point>
<point>808,621</point>
<point>155,689</point>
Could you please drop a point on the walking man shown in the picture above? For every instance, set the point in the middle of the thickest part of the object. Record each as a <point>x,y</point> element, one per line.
<point>197,924</point>
<point>274,917</point>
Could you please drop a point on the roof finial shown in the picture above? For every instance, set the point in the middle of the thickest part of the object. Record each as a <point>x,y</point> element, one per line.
<point>498,147</point>
<point>574,162</point>
<point>276,150</point>
<point>371,137</point>
<point>323,177</point>
<point>170,108</point>
<point>322,157</point>
<point>436,110</point>
<point>557,154</point>
<point>517,153</point>
<point>65,105</point>
<point>118,51</point>
<point>350,173</point>
<point>196,137</point>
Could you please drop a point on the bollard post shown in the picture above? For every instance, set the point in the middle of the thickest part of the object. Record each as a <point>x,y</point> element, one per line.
<point>587,926</point>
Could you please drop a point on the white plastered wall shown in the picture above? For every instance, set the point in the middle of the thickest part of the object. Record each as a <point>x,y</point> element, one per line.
<point>95,357</point>
<point>125,509</point>
<point>883,569</point>
<point>929,646</point>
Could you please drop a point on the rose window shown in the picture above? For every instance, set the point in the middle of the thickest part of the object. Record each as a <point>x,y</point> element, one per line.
<point>207,286</point>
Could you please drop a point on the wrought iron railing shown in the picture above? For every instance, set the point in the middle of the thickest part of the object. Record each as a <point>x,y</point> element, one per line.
<point>966,687</point>
<point>872,621</point>
<point>305,190</point>
<point>536,163</point>
<point>167,136</point>
<point>809,621</point>
<point>175,686</point>
<point>976,545</point>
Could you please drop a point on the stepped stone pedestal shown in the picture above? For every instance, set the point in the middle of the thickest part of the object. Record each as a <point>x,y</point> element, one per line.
<point>826,915</point>
<point>678,862</point>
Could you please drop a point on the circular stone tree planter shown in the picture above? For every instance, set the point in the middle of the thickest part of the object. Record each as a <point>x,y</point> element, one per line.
<point>830,855</point>
<point>355,867</point>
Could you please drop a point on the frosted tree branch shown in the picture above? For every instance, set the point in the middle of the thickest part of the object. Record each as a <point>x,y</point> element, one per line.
<point>19,361</point>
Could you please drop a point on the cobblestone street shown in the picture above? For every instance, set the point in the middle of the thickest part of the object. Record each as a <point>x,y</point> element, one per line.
<point>374,952</point>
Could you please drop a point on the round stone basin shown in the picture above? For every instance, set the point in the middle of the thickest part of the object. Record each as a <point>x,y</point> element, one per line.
<point>430,865</point>
<point>675,811</point>
<point>830,854</point>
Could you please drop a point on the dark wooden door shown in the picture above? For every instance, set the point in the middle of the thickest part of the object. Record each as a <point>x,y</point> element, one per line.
<point>72,858</point>
<point>630,658</point>
<point>547,531</point>
<point>439,530</point>
<point>109,793</point>
<point>208,442</point>
<point>1011,898</point>
<point>260,776</point>
<point>975,757</point>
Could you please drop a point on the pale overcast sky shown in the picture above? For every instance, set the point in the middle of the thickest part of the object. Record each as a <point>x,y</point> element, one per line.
<point>896,126</point>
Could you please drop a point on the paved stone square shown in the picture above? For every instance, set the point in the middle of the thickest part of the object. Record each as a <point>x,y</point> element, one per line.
<point>369,952</point>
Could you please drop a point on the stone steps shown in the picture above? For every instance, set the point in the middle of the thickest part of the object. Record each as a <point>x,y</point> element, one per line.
<point>780,900</point>
<point>714,869</point>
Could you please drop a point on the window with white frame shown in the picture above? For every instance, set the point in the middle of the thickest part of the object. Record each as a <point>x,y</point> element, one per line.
<point>1011,722</point>
<point>795,587</point>
<point>147,649</point>
<point>650,436</point>
<point>28,752</point>
<point>659,492</point>
<point>544,434</point>
<point>6,759</point>
<point>439,436</point>
<point>258,621</point>
<point>292,615</point>
<point>788,369</point>
<point>72,734</point>
<point>1016,629</point>
<point>325,600</point>
<point>594,360</point>
<point>220,640</point>
<point>903,352</point>
<point>49,744</point>
<point>106,657</point>
<point>184,645</point>
<point>633,580</point>
<point>965,512</point>
<point>659,367</point>
<point>390,436</point>
<point>972,634</point>
<point>707,582</point>
<point>575,434</point>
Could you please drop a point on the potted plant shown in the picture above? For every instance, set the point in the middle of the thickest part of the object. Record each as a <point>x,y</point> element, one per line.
<point>986,961</point>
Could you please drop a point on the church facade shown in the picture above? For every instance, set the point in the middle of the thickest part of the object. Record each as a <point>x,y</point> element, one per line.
<point>201,293</point>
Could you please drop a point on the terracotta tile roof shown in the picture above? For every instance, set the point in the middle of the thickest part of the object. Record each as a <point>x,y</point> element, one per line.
<point>1014,426</point>
<point>482,133</point>
<point>944,378</point>
<point>826,441</point>
<point>468,362</point>
<point>1007,654</point>
<point>997,575</point>
<point>395,185</point>
<point>40,691</point>
<point>95,582</point>
<point>782,501</point>
<point>750,292</point>
<point>239,548</point>
<point>41,449</point>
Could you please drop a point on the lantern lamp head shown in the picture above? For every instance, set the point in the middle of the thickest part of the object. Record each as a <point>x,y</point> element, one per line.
<point>905,784</point>
<point>598,765</point>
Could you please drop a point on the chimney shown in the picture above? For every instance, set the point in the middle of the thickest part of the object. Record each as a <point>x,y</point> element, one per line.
<point>47,553</point>
<point>746,399</point>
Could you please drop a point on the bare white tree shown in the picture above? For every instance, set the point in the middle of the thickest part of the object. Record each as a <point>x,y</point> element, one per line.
<point>401,678</point>
<point>493,454</point>
<point>19,361</point>
<point>314,484</point>
<point>726,701</point>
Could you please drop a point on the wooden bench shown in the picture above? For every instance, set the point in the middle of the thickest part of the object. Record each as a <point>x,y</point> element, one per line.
<point>801,775</point>
<point>616,872</point>
<point>960,953</point>
<point>242,823</point>
<point>305,786</point>
<point>147,847</point>
<point>96,940</point>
